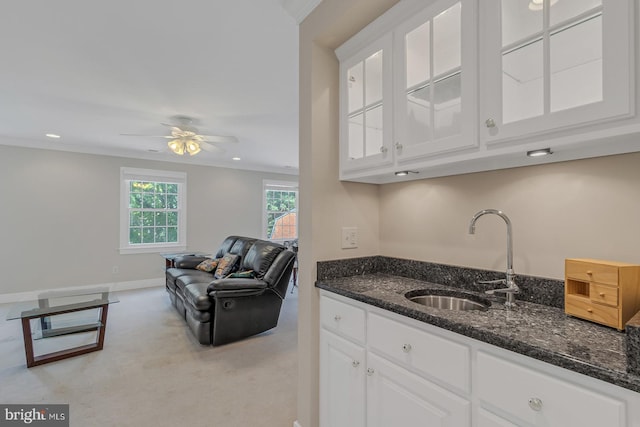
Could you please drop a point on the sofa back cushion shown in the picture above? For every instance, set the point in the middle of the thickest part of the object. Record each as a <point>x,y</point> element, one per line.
<point>226,246</point>
<point>261,256</point>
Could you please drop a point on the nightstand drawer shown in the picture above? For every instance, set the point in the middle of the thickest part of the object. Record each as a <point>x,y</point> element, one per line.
<point>586,309</point>
<point>591,272</point>
<point>603,294</point>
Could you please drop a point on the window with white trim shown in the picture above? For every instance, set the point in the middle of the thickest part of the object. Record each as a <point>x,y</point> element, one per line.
<point>280,210</point>
<point>152,210</point>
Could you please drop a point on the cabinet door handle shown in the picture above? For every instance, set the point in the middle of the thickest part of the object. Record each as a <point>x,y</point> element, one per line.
<point>490,123</point>
<point>355,363</point>
<point>406,348</point>
<point>370,371</point>
<point>535,404</point>
<point>337,318</point>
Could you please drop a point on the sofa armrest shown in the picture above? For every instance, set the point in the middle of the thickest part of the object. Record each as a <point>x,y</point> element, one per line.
<point>232,284</point>
<point>188,261</point>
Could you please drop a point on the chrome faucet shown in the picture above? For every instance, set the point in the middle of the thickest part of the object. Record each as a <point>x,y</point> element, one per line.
<point>509,280</point>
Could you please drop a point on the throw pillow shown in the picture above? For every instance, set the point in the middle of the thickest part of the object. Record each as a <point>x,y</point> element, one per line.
<point>242,274</point>
<point>208,265</point>
<point>226,265</point>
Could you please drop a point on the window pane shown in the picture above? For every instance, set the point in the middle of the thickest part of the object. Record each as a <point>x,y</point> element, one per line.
<point>356,137</point>
<point>522,84</point>
<point>147,235</point>
<point>418,55</point>
<point>161,218</point>
<point>135,200</point>
<point>147,219</point>
<point>135,218</point>
<point>561,10</point>
<point>576,65</point>
<point>135,235</point>
<point>160,187</point>
<point>447,106</point>
<point>147,201</point>
<point>373,76</point>
<point>519,21</point>
<point>355,77</point>
<point>446,40</point>
<point>160,201</point>
<point>172,234</point>
<point>172,188</point>
<point>160,234</point>
<point>418,116</point>
<point>373,136</point>
<point>172,201</point>
<point>172,218</point>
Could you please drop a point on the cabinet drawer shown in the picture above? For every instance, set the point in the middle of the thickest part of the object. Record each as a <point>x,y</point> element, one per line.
<point>430,354</point>
<point>603,294</point>
<point>538,399</point>
<point>591,272</point>
<point>586,309</point>
<point>342,318</point>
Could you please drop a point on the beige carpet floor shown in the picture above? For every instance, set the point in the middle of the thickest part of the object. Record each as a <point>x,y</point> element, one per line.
<point>152,371</point>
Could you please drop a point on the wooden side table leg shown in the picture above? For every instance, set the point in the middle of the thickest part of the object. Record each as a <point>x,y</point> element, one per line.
<point>103,327</point>
<point>28,342</point>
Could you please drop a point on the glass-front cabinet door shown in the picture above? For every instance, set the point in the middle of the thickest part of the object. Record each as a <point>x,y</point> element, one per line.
<point>552,64</point>
<point>435,76</point>
<point>365,108</point>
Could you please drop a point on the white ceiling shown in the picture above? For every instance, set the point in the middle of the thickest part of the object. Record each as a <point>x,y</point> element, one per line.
<point>90,71</point>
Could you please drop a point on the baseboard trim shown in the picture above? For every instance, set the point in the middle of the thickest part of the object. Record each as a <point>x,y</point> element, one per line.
<point>117,286</point>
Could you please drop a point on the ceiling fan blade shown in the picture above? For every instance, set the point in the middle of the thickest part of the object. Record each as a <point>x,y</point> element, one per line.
<point>148,136</point>
<point>219,138</point>
<point>211,148</point>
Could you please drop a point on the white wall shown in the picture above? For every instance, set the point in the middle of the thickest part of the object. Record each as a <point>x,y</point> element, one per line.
<point>59,217</point>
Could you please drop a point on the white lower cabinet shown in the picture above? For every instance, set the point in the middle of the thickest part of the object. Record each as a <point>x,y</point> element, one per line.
<point>380,369</point>
<point>342,382</point>
<point>397,397</point>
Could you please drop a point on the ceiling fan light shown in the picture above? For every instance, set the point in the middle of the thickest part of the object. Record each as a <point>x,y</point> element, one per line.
<point>176,146</point>
<point>193,147</point>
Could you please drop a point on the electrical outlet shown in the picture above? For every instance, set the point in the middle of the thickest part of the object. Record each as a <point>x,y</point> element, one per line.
<point>349,237</point>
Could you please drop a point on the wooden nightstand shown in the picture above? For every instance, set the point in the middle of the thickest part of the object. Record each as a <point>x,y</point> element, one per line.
<point>605,292</point>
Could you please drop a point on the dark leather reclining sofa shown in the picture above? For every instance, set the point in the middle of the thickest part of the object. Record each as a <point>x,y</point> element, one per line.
<point>219,311</point>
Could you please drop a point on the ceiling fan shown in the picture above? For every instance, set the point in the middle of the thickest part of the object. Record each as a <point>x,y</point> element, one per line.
<point>184,138</point>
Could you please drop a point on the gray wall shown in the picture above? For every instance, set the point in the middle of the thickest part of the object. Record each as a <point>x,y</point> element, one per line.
<point>59,217</point>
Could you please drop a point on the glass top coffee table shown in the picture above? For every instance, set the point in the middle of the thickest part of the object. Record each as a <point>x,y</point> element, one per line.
<point>57,314</point>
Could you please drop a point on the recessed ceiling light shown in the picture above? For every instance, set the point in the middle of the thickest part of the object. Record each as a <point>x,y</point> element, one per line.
<point>236,158</point>
<point>404,173</point>
<point>52,135</point>
<point>538,153</point>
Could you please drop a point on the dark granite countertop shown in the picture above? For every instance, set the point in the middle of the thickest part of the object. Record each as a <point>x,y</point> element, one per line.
<point>540,331</point>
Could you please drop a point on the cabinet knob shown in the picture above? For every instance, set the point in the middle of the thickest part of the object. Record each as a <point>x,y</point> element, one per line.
<point>490,123</point>
<point>535,404</point>
<point>589,310</point>
<point>337,318</point>
<point>602,294</point>
<point>384,149</point>
<point>398,146</point>
<point>370,371</point>
<point>589,272</point>
<point>355,363</point>
<point>406,348</point>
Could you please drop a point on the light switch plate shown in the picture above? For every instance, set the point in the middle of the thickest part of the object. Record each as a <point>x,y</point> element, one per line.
<point>349,237</point>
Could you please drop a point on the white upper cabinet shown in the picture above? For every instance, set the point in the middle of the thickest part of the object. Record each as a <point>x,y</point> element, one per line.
<point>445,87</point>
<point>552,64</point>
<point>365,107</point>
<point>435,55</point>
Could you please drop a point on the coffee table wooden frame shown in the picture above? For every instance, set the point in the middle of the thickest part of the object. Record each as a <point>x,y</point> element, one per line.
<point>71,352</point>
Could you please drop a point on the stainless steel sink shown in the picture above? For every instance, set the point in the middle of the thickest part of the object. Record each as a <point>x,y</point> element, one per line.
<point>448,300</point>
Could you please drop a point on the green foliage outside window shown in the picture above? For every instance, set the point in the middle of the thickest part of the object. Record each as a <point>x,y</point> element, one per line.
<point>153,212</point>
<point>279,203</point>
